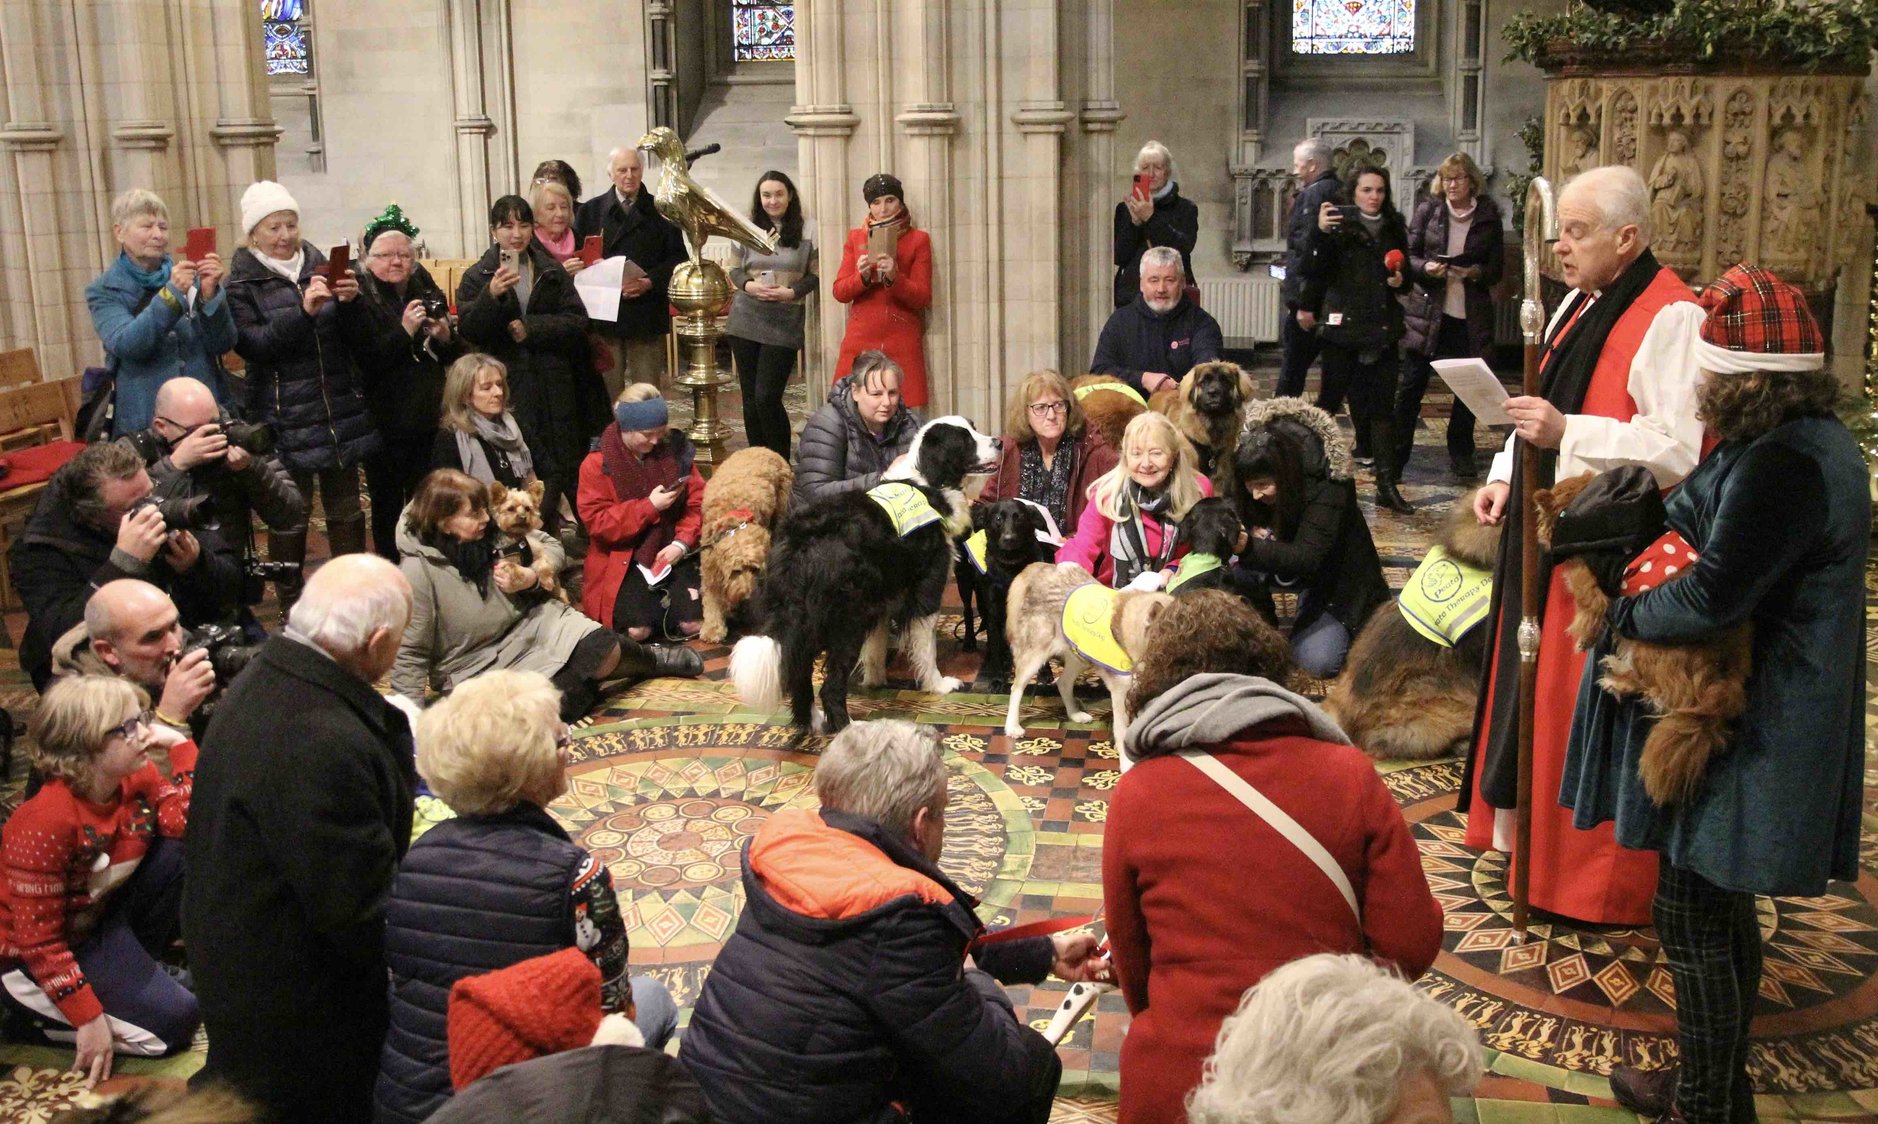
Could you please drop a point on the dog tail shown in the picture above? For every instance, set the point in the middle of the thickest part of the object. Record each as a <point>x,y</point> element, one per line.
<point>1677,754</point>
<point>756,669</point>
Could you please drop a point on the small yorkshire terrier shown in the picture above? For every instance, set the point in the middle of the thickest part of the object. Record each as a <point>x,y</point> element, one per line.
<point>516,512</point>
<point>1697,690</point>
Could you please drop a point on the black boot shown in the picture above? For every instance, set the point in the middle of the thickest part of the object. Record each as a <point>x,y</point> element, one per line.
<point>1382,437</point>
<point>346,538</point>
<point>646,661</point>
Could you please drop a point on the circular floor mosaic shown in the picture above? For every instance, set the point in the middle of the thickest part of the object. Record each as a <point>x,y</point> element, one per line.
<point>1587,999</point>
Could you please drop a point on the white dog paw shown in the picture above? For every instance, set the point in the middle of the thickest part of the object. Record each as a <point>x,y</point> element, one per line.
<point>946,686</point>
<point>1013,731</point>
<point>818,722</point>
<point>1082,716</point>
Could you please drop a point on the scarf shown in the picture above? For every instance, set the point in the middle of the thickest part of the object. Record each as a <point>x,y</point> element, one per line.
<point>1047,486</point>
<point>634,478</point>
<point>1128,537</point>
<point>1565,375</point>
<point>289,269</point>
<point>151,279</point>
<point>1205,710</point>
<point>560,249</point>
<point>1167,189</point>
<point>501,433</point>
<point>475,561</point>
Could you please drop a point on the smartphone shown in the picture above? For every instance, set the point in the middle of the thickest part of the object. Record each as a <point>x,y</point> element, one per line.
<point>590,250</point>
<point>1144,185</point>
<point>1350,212</point>
<point>511,259</point>
<point>201,243</point>
<point>337,259</point>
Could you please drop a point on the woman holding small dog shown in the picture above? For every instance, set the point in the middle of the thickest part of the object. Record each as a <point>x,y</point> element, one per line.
<point>1192,925</point>
<point>1128,533</point>
<point>642,499</point>
<point>1049,454</point>
<point>859,433</point>
<point>1306,531</point>
<point>470,611</point>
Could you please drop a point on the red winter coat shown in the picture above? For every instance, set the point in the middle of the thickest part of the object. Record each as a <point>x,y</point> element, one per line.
<point>892,317</point>
<point>615,524</point>
<point>1204,898</point>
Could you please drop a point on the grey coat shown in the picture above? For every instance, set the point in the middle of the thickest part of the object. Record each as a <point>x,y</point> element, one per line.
<point>457,632</point>
<point>777,323</point>
<point>837,454</point>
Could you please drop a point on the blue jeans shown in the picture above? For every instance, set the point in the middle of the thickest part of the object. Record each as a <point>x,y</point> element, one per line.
<point>1319,648</point>
<point>654,1013</point>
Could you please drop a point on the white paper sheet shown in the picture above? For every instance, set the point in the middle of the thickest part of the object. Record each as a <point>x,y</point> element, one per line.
<point>654,577</point>
<point>1050,535</point>
<point>1475,384</point>
<point>598,286</point>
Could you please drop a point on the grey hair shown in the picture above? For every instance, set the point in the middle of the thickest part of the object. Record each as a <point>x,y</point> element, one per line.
<point>137,201</point>
<point>1331,1037</point>
<point>1160,255</point>
<point>1315,149</point>
<point>886,770</point>
<point>1156,148</point>
<point>1620,196</point>
<point>348,599</point>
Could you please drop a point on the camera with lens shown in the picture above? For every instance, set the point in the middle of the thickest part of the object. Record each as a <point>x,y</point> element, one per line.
<point>228,649</point>
<point>435,308</point>
<point>251,437</point>
<point>180,513</point>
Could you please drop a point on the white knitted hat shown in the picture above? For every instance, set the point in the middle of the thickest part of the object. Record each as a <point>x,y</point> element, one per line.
<point>261,200</point>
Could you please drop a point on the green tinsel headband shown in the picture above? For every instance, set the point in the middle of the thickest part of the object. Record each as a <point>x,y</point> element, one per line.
<point>391,218</point>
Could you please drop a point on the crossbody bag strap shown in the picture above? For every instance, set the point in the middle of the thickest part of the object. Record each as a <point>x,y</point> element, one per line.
<point>1264,809</point>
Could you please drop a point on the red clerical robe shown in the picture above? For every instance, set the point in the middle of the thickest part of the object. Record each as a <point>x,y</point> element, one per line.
<point>1639,409</point>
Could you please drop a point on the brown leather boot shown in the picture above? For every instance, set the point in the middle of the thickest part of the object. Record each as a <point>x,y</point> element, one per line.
<point>1647,1092</point>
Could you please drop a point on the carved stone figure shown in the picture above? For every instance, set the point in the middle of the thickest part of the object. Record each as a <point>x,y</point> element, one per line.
<point>1676,187</point>
<point>1581,152</point>
<point>1791,201</point>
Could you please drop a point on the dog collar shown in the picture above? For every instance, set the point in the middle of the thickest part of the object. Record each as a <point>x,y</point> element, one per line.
<point>906,505</point>
<point>1192,566</point>
<point>744,517</point>
<point>1445,598</point>
<point>978,548</point>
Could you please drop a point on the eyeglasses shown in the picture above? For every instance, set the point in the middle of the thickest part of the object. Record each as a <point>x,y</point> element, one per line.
<point>1045,409</point>
<point>393,255</point>
<point>131,725</point>
<point>565,739</point>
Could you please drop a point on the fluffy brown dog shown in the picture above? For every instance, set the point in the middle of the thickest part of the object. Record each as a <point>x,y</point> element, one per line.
<point>1403,696</point>
<point>1034,625</point>
<point>516,512</point>
<point>743,501</point>
<point>1208,407</point>
<point>1108,411</point>
<point>1698,690</point>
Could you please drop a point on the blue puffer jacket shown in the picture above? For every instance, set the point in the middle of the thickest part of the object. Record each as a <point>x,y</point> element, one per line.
<point>841,997</point>
<point>474,894</point>
<point>164,341</point>
<point>301,379</point>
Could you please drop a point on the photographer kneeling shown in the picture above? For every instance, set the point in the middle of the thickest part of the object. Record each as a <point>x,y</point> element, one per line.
<point>132,631</point>
<point>194,448</point>
<point>97,522</point>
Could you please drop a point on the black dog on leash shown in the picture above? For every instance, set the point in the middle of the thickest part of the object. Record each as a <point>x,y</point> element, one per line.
<point>1011,543</point>
<point>1211,533</point>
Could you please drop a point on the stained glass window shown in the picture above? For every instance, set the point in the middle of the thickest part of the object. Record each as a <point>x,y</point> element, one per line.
<point>762,31</point>
<point>286,46</point>
<point>1352,27</point>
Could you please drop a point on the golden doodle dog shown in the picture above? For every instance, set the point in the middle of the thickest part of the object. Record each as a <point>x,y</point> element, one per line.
<point>1061,610</point>
<point>1208,408</point>
<point>1109,404</point>
<point>1406,695</point>
<point>1698,690</point>
<point>743,501</point>
<point>516,512</point>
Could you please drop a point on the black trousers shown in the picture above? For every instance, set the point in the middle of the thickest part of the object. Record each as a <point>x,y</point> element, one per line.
<point>1416,373</point>
<point>763,370</point>
<point>1713,944</point>
<point>1301,349</point>
<point>1370,387</point>
<point>391,476</point>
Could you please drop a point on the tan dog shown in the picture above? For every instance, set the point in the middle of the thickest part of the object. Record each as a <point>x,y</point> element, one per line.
<point>516,512</point>
<point>1208,408</point>
<point>1108,411</point>
<point>743,501</point>
<point>1034,624</point>
<point>1698,690</point>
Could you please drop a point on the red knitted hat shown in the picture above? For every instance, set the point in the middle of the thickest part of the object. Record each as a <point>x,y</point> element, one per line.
<point>1757,322</point>
<point>525,1011</point>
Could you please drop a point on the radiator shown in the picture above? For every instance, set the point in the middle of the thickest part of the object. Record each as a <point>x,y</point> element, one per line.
<point>1506,331</point>
<point>1247,308</point>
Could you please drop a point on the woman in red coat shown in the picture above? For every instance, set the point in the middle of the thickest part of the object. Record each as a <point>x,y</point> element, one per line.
<point>1198,914</point>
<point>889,294</point>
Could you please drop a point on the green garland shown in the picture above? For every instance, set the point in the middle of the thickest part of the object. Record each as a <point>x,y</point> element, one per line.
<point>1532,135</point>
<point>1797,35</point>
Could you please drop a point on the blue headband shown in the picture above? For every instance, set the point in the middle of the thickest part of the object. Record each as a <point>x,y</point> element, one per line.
<point>652,413</point>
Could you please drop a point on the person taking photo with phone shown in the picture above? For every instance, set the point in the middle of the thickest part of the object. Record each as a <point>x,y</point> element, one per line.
<point>1153,214</point>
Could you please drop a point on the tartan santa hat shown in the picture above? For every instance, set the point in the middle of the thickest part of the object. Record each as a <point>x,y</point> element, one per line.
<point>1757,322</point>
<point>529,1010</point>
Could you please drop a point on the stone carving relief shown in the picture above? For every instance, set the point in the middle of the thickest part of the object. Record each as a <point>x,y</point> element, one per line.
<point>1731,242</point>
<point>1580,103</point>
<point>1624,128</point>
<point>1797,101</point>
<point>1386,142</point>
<point>1580,151</point>
<point>1680,101</point>
<point>1677,191</point>
<point>1790,199</point>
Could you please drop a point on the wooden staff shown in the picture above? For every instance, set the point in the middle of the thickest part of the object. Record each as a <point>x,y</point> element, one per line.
<point>1541,231</point>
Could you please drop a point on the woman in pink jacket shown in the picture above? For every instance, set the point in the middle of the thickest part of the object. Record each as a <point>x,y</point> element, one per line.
<point>1129,526</point>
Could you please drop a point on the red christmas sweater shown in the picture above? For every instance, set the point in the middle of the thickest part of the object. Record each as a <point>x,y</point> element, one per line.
<point>63,855</point>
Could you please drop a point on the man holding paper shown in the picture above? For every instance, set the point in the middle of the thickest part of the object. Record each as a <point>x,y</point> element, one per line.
<point>630,227</point>
<point>1620,376</point>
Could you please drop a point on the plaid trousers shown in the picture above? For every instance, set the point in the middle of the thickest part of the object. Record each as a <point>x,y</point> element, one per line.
<point>1713,943</point>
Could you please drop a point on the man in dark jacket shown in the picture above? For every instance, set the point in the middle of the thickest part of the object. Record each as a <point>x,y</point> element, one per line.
<point>860,432</point>
<point>301,811</point>
<point>93,526</point>
<point>630,226</point>
<point>1311,163</point>
<point>1161,336</point>
<point>842,997</point>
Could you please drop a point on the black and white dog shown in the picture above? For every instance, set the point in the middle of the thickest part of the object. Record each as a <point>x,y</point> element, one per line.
<point>842,575</point>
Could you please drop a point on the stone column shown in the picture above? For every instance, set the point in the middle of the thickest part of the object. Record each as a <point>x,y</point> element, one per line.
<point>1035,299</point>
<point>824,122</point>
<point>485,165</point>
<point>1087,299</point>
<point>930,121</point>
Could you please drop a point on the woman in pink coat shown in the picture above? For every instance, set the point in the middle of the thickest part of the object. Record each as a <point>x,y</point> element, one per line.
<point>1129,526</point>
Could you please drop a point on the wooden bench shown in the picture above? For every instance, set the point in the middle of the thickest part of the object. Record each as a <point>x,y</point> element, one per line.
<point>36,437</point>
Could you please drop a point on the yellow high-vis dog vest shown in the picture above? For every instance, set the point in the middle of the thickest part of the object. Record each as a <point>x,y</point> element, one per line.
<point>906,505</point>
<point>1089,626</point>
<point>1446,597</point>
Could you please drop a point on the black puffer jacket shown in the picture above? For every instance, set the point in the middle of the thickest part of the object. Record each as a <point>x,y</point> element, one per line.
<point>1300,225</point>
<point>301,379</point>
<point>1175,222</point>
<point>554,393</point>
<point>1485,247</point>
<point>842,991</point>
<point>837,454</point>
<point>1346,281</point>
<point>591,1085</point>
<point>474,894</point>
<point>1330,559</point>
<point>402,373</point>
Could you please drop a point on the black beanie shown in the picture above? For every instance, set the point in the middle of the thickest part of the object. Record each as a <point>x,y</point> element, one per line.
<point>882,183</point>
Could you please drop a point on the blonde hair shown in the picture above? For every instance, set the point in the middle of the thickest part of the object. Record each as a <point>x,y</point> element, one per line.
<point>1183,485</point>
<point>637,392</point>
<point>1156,148</point>
<point>491,744</point>
<point>138,201</point>
<point>75,717</point>
<point>1040,384</point>
<point>550,187</point>
<point>1462,163</point>
<point>460,380</point>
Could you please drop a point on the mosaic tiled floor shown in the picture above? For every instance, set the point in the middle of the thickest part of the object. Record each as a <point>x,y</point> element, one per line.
<point>670,776</point>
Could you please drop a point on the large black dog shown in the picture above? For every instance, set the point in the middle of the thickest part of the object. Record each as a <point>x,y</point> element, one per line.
<point>1011,528</point>
<point>843,575</point>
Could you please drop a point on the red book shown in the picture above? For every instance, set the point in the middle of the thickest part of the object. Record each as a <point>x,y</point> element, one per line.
<point>201,243</point>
